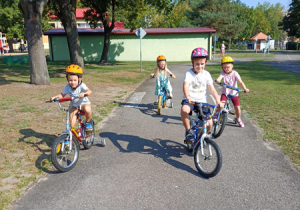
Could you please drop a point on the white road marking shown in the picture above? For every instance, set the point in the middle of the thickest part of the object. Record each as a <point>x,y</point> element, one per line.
<point>135,99</point>
<point>288,57</point>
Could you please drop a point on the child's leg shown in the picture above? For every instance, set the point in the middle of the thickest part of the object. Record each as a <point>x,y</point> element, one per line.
<point>210,125</point>
<point>169,89</point>
<point>185,117</point>
<point>237,111</point>
<point>73,117</point>
<point>88,111</point>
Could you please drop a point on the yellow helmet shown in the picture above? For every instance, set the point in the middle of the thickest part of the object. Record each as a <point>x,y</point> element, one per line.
<point>227,59</point>
<point>74,69</point>
<point>161,58</point>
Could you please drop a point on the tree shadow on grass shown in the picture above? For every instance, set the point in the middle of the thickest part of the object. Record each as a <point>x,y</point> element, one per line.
<point>43,146</point>
<point>167,150</point>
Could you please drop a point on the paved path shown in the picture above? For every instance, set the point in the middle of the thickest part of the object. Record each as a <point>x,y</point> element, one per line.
<point>145,165</point>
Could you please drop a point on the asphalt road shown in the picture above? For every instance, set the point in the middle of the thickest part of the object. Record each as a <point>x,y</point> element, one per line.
<point>145,165</point>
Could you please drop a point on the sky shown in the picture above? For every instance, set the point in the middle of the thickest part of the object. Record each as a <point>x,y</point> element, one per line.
<point>253,3</point>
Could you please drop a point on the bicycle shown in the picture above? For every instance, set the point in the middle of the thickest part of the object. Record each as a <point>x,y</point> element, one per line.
<point>65,149</point>
<point>207,154</point>
<point>220,123</point>
<point>163,100</point>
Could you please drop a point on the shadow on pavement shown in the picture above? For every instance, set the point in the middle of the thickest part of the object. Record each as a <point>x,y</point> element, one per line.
<point>164,149</point>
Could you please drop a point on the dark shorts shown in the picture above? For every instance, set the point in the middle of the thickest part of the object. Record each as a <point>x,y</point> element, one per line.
<point>206,111</point>
<point>235,100</point>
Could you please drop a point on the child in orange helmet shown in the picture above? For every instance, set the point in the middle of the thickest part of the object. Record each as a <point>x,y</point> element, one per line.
<point>162,76</point>
<point>76,88</point>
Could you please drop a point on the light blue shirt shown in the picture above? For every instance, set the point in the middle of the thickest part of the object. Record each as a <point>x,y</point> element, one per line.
<point>81,89</point>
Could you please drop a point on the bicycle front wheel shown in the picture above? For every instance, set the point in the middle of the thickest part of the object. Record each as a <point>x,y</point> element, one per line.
<point>210,162</point>
<point>89,137</point>
<point>159,105</point>
<point>220,125</point>
<point>63,158</point>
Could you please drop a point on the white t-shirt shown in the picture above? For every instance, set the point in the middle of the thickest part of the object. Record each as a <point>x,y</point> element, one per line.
<point>198,85</point>
<point>81,89</point>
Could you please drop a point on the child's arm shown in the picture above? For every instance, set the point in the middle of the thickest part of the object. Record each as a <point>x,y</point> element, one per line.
<point>219,79</point>
<point>186,91</point>
<point>173,75</point>
<point>214,93</point>
<point>58,96</point>
<point>154,72</point>
<point>88,92</point>
<point>243,85</point>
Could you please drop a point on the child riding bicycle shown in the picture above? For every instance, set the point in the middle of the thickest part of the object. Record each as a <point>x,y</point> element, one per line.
<point>162,74</point>
<point>76,88</point>
<point>230,77</point>
<point>195,84</point>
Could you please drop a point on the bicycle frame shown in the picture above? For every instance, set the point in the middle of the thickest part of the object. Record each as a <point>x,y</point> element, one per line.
<point>69,131</point>
<point>199,136</point>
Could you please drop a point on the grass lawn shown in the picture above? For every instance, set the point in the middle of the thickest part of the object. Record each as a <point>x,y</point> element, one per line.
<point>28,125</point>
<point>273,103</point>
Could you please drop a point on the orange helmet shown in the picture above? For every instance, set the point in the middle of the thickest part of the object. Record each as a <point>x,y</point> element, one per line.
<point>161,58</point>
<point>75,70</point>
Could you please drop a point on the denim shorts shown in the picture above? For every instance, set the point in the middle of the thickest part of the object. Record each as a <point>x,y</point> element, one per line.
<point>206,111</point>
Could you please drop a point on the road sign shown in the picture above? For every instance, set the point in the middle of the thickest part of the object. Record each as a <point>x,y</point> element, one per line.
<point>141,33</point>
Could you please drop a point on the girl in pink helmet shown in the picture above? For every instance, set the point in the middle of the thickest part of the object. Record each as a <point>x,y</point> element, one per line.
<point>195,83</point>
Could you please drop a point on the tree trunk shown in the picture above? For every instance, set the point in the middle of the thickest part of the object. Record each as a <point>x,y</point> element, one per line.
<point>229,44</point>
<point>105,47</point>
<point>68,18</point>
<point>32,11</point>
<point>107,32</point>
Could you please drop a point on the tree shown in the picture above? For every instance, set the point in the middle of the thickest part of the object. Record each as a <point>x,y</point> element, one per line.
<point>65,10</point>
<point>218,14</point>
<point>105,11</point>
<point>11,21</point>
<point>291,22</point>
<point>32,12</point>
<point>274,15</point>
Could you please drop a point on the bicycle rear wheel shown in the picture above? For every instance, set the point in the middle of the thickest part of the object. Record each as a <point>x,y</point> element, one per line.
<point>89,136</point>
<point>159,105</point>
<point>210,163</point>
<point>219,126</point>
<point>64,159</point>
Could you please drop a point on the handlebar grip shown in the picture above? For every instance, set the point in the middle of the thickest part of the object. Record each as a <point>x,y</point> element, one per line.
<point>85,95</point>
<point>65,99</point>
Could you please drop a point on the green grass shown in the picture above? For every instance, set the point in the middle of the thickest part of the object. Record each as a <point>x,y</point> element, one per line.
<point>273,103</point>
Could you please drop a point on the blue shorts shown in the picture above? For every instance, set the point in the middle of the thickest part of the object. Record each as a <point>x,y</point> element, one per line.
<point>206,111</point>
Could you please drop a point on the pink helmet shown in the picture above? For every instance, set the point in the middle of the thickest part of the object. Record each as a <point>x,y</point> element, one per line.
<point>199,53</point>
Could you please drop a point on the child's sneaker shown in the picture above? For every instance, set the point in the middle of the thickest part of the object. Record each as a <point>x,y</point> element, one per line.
<point>241,124</point>
<point>189,137</point>
<point>88,126</point>
<point>215,116</point>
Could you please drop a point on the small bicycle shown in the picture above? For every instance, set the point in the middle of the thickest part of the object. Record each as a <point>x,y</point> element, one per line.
<point>163,99</point>
<point>221,121</point>
<point>207,154</point>
<point>65,149</point>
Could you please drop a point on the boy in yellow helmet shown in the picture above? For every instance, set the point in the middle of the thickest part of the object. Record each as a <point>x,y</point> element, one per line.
<point>76,88</point>
<point>231,77</point>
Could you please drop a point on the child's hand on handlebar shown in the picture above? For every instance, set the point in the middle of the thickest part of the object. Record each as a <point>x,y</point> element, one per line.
<point>173,76</point>
<point>152,75</point>
<point>247,91</point>
<point>81,95</point>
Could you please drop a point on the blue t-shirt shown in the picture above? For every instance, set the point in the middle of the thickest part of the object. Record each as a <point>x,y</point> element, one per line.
<point>80,89</point>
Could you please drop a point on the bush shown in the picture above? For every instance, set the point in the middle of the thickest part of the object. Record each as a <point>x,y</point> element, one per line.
<point>233,46</point>
<point>292,46</point>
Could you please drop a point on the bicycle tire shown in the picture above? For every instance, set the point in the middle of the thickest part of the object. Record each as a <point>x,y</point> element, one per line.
<point>159,105</point>
<point>220,125</point>
<point>201,162</point>
<point>89,137</point>
<point>65,160</point>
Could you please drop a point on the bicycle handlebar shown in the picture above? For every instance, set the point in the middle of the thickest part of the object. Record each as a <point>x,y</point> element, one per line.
<point>204,105</point>
<point>171,76</point>
<point>230,87</point>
